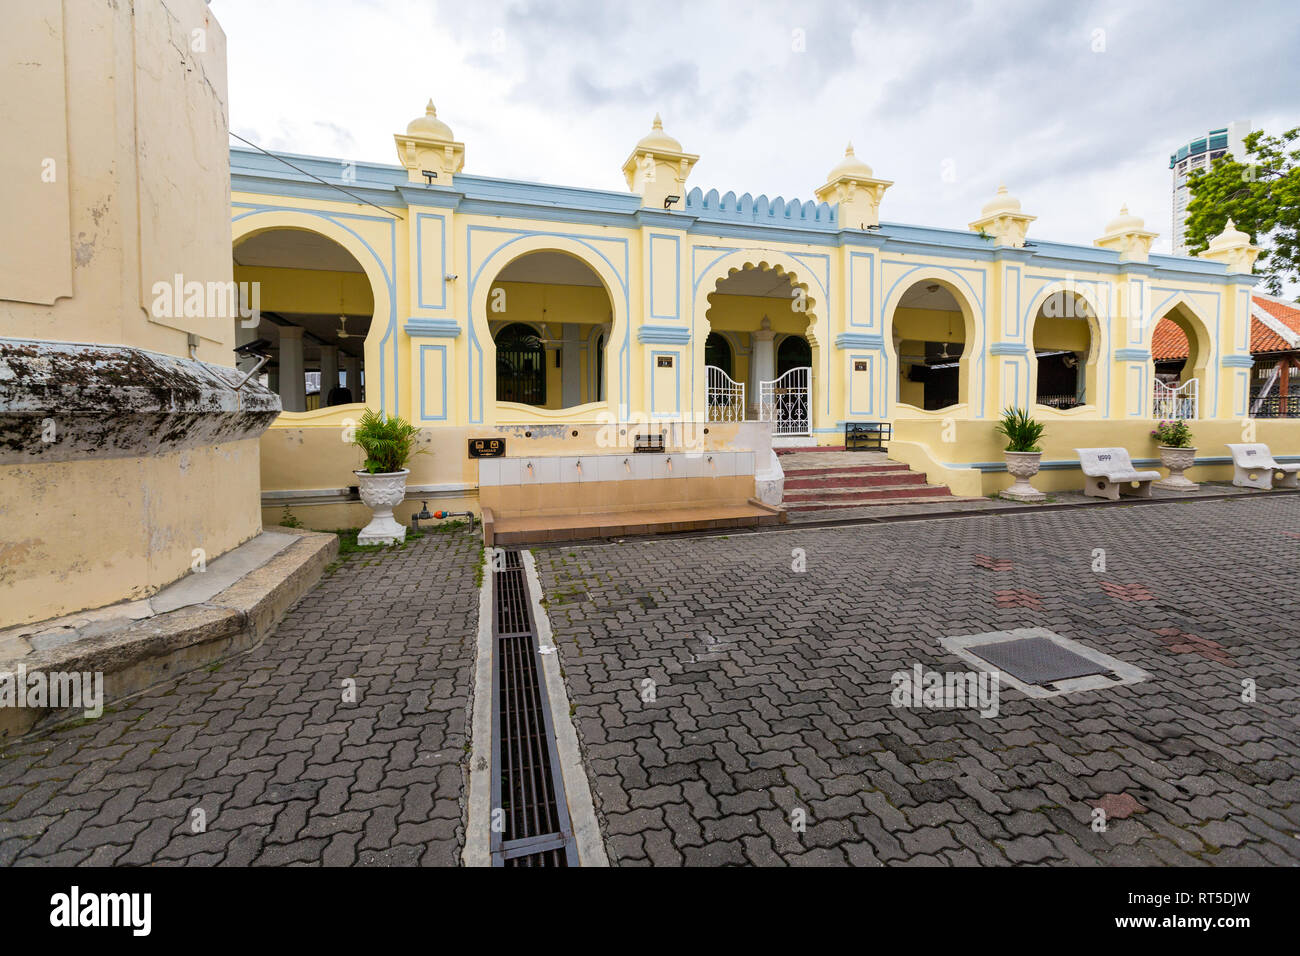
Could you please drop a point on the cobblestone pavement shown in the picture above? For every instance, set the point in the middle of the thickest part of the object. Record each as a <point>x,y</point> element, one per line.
<point>283,769</point>
<point>772,690</point>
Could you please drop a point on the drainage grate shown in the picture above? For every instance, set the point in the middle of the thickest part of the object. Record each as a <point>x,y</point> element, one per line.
<point>1036,660</point>
<point>530,820</point>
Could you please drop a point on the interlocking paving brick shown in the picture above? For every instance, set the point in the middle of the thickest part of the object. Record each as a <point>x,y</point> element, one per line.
<point>285,771</point>
<point>774,689</point>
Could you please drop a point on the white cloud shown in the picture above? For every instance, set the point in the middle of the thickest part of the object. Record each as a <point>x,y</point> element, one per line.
<point>560,91</point>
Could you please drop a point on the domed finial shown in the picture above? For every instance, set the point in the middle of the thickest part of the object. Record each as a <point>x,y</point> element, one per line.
<point>429,109</point>
<point>1002,189</point>
<point>1231,226</point>
<point>1123,210</point>
<point>658,123</point>
<point>848,150</point>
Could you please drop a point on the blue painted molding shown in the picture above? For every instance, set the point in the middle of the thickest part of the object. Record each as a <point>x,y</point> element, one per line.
<point>1008,348</point>
<point>663,335</point>
<point>432,328</point>
<point>724,216</point>
<point>1067,464</point>
<point>1132,355</point>
<point>859,340</point>
<point>1238,361</point>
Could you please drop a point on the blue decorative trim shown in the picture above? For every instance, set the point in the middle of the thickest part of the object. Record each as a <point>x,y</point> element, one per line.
<point>652,238</point>
<point>677,388</point>
<point>432,328</point>
<point>1238,361</point>
<point>746,209</point>
<point>419,259</point>
<point>1132,355</point>
<point>1067,464</point>
<point>442,351</point>
<point>663,335</point>
<point>859,340</point>
<point>1008,348</point>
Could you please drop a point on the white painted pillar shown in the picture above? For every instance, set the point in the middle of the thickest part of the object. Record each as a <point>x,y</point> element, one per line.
<point>293,384</point>
<point>570,365</point>
<point>329,371</point>
<point>352,375</point>
<point>762,362</point>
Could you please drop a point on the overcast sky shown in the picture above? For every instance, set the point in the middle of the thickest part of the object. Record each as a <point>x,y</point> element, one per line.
<point>1076,106</point>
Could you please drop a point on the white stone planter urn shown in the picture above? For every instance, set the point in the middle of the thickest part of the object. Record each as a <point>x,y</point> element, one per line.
<point>382,493</point>
<point>1177,460</point>
<point>1023,465</point>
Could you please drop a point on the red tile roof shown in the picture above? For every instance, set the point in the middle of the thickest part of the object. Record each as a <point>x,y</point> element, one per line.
<point>1169,343</point>
<point>1264,339</point>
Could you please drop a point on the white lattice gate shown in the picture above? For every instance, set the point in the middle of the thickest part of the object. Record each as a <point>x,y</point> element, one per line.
<point>726,396</point>
<point>1170,403</point>
<point>787,402</point>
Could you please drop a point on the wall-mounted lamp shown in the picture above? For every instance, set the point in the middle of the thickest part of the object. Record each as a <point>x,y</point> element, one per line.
<point>669,200</point>
<point>451,277</point>
<point>429,176</point>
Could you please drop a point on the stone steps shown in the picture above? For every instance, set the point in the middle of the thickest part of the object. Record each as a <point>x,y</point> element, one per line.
<point>818,481</point>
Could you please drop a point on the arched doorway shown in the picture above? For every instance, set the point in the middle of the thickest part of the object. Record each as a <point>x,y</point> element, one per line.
<point>1180,350</point>
<point>549,314</point>
<point>521,365</point>
<point>1064,371</point>
<point>717,353</point>
<point>762,307</point>
<point>316,310</point>
<point>931,326</point>
<point>793,352</point>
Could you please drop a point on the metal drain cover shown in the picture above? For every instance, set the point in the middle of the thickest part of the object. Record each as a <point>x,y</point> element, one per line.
<point>1036,660</point>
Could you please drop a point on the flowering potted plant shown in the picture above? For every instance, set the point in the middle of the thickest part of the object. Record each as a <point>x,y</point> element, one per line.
<point>387,442</point>
<point>1177,453</point>
<point>1022,452</point>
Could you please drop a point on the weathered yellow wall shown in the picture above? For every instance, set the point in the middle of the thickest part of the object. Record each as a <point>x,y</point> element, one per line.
<point>129,100</point>
<point>83,534</point>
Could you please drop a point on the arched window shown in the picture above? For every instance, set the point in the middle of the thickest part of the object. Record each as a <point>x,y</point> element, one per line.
<point>521,366</point>
<point>717,352</point>
<point>793,352</point>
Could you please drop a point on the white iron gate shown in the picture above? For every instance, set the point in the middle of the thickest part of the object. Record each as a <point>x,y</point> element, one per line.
<point>1171,403</point>
<point>726,396</point>
<point>787,401</point>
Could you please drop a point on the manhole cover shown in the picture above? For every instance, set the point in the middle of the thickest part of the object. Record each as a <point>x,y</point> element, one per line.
<point>1036,660</point>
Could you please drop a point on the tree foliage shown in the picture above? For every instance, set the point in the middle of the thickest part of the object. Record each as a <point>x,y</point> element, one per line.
<point>1261,195</point>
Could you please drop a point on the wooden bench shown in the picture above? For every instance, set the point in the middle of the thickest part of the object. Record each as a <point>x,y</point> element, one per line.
<point>1109,473</point>
<point>1253,467</point>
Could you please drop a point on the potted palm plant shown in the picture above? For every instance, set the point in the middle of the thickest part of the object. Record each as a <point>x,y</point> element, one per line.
<point>1022,452</point>
<point>388,443</point>
<point>1177,453</point>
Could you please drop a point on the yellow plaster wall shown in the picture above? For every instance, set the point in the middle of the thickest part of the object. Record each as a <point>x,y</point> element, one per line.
<point>133,99</point>
<point>83,534</point>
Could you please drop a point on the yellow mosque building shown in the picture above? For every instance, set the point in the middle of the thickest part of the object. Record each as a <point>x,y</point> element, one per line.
<point>570,321</point>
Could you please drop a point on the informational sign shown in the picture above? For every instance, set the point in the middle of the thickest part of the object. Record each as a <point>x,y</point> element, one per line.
<point>487,447</point>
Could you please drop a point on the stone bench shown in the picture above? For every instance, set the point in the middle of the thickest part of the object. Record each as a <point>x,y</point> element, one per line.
<point>1109,473</point>
<point>1253,467</point>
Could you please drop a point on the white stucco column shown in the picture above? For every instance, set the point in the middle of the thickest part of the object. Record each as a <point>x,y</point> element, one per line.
<point>293,386</point>
<point>762,363</point>
<point>329,371</point>
<point>352,375</point>
<point>570,365</point>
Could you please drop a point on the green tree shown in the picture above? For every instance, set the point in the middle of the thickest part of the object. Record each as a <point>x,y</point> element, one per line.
<point>1262,198</point>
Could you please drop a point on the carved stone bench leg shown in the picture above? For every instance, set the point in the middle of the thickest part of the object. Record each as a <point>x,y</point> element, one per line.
<point>1288,479</point>
<point>1143,490</point>
<point>1101,488</point>
<point>1261,478</point>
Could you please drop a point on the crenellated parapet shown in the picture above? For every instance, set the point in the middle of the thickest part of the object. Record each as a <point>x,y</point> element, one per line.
<point>760,211</point>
